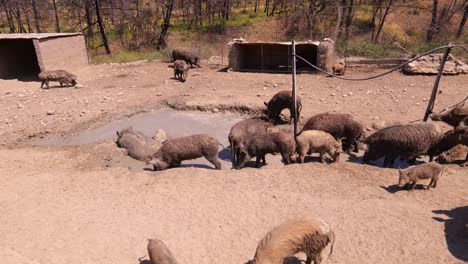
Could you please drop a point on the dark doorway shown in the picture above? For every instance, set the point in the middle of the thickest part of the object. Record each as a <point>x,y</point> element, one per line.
<point>18,59</point>
<point>271,57</point>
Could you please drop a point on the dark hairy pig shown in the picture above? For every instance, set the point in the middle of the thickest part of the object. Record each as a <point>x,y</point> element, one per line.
<point>283,100</point>
<point>452,116</point>
<point>181,70</point>
<point>186,55</point>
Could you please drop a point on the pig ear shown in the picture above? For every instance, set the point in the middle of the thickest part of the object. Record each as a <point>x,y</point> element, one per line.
<point>265,103</point>
<point>118,133</point>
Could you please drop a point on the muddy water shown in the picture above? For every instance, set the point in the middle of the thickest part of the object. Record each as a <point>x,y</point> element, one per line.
<point>175,123</point>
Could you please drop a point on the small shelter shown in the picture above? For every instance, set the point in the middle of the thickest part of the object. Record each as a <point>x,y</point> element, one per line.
<point>25,55</point>
<point>276,56</point>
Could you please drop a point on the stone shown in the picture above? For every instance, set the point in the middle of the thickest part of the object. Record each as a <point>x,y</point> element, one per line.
<point>215,110</point>
<point>430,64</point>
<point>50,112</point>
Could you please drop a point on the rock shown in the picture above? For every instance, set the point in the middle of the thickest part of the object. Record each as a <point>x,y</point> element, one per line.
<point>430,64</point>
<point>120,94</point>
<point>350,93</point>
<point>215,110</point>
<point>159,94</point>
<point>275,85</point>
<point>333,94</point>
<point>50,112</point>
<point>196,74</point>
<point>78,86</point>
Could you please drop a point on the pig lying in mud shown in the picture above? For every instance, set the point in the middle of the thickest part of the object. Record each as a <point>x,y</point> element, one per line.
<point>308,235</point>
<point>174,151</point>
<point>61,76</point>
<point>159,253</point>
<point>272,143</point>
<point>139,146</point>
<point>180,70</point>
<point>424,171</point>
<point>311,141</point>
<point>457,153</point>
<point>186,55</point>
<point>283,100</point>
<point>242,132</point>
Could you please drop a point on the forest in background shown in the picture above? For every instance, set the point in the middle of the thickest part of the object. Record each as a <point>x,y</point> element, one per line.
<point>126,30</point>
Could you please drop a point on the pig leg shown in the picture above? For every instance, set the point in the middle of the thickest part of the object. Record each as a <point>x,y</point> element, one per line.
<point>435,179</point>
<point>322,157</point>
<point>389,160</point>
<point>214,160</point>
<point>47,84</point>
<point>263,159</point>
<point>286,159</point>
<point>257,161</point>
<point>337,157</point>
<point>42,84</point>
<point>414,185</point>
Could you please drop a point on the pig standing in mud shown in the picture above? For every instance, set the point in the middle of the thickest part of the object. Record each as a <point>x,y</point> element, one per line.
<point>272,143</point>
<point>242,132</point>
<point>283,100</point>
<point>424,171</point>
<point>186,55</point>
<point>340,126</point>
<point>311,141</point>
<point>180,70</point>
<point>174,151</point>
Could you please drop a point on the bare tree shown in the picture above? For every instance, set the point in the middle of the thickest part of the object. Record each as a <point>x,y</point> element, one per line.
<point>57,23</point>
<point>165,26</point>
<point>36,16</point>
<point>386,10</point>
<point>97,6</point>
<point>463,21</point>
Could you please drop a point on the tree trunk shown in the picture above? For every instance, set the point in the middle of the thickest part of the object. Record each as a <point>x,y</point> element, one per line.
<point>9,16</point>
<point>165,26</point>
<point>101,26</point>
<point>462,22</point>
<point>338,21</point>
<point>349,18</point>
<point>432,27</point>
<point>382,21</point>
<point>57,22</point>
<point>36,16</point>
<point>18,19</point>
<point>375,8</point>
<point>256,6</point>
<point>89,21</point>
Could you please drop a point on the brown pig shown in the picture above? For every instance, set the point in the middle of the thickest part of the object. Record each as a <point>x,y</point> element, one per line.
<point>181,70</point>
<point>339,68</point>
<point>311,141</point>
<point>273,143</point>
<point>413,174</point>
<point>174,151</point>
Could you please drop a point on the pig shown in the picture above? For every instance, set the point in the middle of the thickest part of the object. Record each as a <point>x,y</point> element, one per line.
<point>407,141</point>
<point>311,141</point>
<point>283,100</point>
<point>273,143</point>
<point>411,175</point>
<point>448,140</point>
<point>180,70</point>
<point>339,68</point>
<point>139,146</point>
<point>459,152</point>
<point>340,126</point>
<point>462,127</point>
<point>452,116</point>
<point>159,253</point>
<point>306,234</point>
<point>243,131</point>
<point>187,55</point>
<point>174,151</point>
<point>61,76</point>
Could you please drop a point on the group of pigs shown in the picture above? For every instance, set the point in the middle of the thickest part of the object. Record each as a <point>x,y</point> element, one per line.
<point>328,134</point>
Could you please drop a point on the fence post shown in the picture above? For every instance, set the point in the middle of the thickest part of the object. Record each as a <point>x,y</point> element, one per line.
<point>294,86</point>
<point>431,102</point>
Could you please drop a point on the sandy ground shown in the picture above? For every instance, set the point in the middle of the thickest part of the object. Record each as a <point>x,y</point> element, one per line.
<point>68,204</point>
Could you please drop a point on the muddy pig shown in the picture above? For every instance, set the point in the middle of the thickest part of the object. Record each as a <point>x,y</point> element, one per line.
<point>339,68</point>
<point>174,151</point>
<point>452,116</point>
<point>159,253</point>
<point>273,143</point>
<point>180,70</point>
<point>311,141</point>
<point>187,55</point>
<point>457,153</point>
<point>283,100</point>
<point>242,132</point>
<point>61,76</point>
<point>411,175</point>
<point>139,146</point>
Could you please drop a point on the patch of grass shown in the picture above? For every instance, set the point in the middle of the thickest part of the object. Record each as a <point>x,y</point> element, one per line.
<point>120,56</point>
<point>373,50</point>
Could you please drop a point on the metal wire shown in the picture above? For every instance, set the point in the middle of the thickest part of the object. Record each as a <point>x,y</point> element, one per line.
<point>385,73</point>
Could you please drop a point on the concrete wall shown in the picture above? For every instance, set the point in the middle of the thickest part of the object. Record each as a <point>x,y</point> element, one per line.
<point>62,53</point>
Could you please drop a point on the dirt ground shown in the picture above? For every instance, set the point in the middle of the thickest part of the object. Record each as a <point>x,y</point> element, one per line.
<point>66,205</point>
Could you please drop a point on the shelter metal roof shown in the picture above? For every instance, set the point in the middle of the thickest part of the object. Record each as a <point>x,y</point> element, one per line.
<point>37,35</point>
<point>287,43</point>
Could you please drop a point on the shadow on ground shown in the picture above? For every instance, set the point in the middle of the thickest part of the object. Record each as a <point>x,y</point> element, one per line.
<point>456,230</point>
